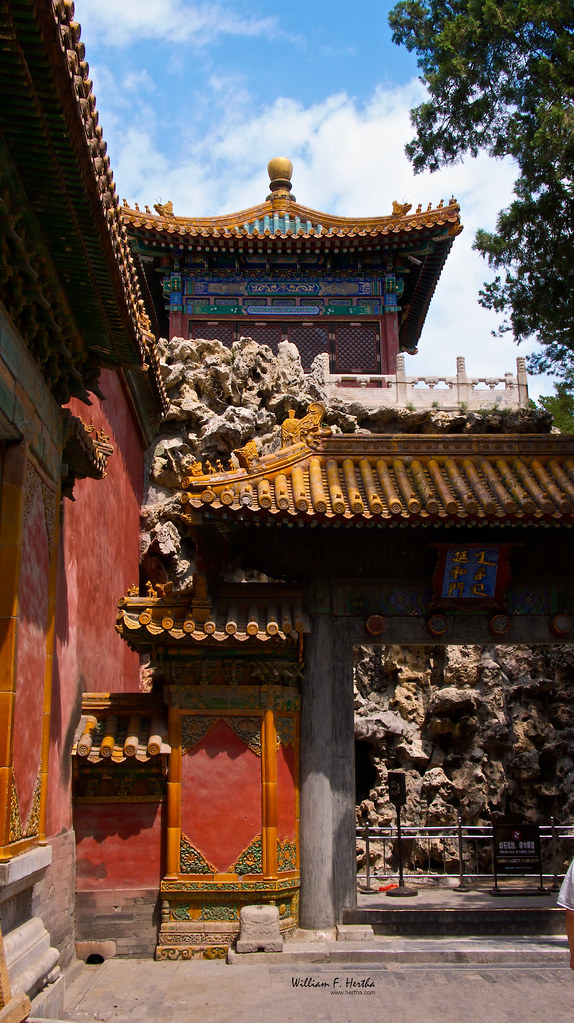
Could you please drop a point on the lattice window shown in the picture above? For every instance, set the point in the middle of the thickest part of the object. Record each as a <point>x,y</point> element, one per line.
<point>264,333</point>
<point>222,331</point>
<point>310,341</point>
<point>357,348</point>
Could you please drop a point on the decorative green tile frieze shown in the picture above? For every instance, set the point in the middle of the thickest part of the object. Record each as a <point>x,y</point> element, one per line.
<point>220,911</point>
<point>181,911</point>
<point>191,860</point>
<point>251,859</point>
<point>286,855</point>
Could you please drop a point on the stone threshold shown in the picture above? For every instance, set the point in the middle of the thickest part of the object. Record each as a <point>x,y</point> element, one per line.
<point>378,950</point>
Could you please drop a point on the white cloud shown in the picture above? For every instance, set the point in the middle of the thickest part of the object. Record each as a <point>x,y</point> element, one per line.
<point>177,21</point>
<point>349,159</point>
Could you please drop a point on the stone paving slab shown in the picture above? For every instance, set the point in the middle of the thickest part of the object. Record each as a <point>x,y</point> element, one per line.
<point>140,991</point>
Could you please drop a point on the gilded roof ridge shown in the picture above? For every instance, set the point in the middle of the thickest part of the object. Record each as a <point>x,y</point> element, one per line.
<point>399,218</point>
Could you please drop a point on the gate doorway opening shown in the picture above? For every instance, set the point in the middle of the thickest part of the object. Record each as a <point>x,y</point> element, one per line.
<point>479,732</point>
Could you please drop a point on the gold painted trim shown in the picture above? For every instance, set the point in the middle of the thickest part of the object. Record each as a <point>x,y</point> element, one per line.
<point>53,518</point>
<point>173,801</point>
<point>269,790</point>
<point>14,468</point>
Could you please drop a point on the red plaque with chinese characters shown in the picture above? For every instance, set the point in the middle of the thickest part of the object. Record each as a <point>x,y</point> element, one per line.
<point>470,575</point>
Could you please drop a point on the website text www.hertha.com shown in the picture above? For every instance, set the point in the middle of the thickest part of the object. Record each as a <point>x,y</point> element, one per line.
<point>337,985</point>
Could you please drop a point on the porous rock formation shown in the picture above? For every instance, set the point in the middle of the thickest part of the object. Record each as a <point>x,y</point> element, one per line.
<point>220,398</point>
<point>477,731</point>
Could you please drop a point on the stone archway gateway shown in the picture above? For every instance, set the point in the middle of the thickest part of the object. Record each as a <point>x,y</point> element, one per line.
<point>394,539</point>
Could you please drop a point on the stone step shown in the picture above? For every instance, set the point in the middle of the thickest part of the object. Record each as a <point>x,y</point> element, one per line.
<point>537,949</point>
<point>498,920</point>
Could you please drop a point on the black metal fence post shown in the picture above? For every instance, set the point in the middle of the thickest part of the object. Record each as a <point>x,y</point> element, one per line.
<point>461,880</point>
<point>368,855</point>
<point>554,863</point>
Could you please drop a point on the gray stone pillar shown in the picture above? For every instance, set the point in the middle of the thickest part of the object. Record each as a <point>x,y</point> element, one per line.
<point>327,838</point>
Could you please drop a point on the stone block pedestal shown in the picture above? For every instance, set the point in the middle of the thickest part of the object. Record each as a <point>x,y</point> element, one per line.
<point>259,930</point>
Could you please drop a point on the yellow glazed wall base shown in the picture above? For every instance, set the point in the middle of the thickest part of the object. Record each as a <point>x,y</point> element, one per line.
<point>202,924</point>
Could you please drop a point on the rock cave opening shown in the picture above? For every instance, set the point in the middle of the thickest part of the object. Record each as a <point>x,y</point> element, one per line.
<point>365,770</point>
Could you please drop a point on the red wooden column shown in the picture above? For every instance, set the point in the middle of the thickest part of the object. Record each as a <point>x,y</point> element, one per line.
<point>389,342</point>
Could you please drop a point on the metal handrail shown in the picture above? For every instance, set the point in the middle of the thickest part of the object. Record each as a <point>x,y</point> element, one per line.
<point>460,833</point>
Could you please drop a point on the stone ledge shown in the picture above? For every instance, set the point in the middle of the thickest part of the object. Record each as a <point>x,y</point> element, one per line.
<point>354,932</point>
<point>49,1003</point>
<point>25,868</point>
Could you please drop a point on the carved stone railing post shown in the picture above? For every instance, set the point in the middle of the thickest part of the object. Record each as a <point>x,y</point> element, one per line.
<point>462,394</point>
<point>522,377</point>
<point>401,380</point>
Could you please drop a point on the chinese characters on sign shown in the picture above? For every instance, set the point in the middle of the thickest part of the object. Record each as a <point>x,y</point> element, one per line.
<point>516,850</point>
<point>470,572</point>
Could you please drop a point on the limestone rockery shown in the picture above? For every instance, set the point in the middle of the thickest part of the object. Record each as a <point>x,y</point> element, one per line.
<point>478,731</point>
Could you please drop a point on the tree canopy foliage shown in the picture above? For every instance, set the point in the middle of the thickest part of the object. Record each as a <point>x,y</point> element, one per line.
<point>561,406</point>
<point>500,77</point>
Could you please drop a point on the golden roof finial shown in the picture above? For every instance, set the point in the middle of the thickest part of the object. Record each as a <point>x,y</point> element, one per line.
<point>280,170</point>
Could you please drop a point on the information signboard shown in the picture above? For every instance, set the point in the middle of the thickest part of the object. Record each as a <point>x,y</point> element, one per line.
<point>397,787</point>
<point>516,850</point>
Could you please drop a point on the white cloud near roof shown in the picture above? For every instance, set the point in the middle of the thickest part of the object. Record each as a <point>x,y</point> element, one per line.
<point>121,23</point>
<point>348,159</point>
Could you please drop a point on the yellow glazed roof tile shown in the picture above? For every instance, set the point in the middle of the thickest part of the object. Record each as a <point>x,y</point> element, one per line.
<point>232,621</point>
<point>295,221</point>
<point>112,731</point>
<point>425,479</point>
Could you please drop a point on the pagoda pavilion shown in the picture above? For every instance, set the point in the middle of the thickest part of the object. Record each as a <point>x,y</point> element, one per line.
<point>355,288</point>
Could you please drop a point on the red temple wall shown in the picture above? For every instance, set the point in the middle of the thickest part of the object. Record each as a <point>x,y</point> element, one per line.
<point>118,845</point>
<point>98,561</point>
<point>31,656</point>
<point>221,796</point>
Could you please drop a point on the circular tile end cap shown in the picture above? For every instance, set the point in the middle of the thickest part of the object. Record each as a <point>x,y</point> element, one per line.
<point>437,625</point>
<point>375,625</point>
<point>499,625</point>
<point>561,624</point>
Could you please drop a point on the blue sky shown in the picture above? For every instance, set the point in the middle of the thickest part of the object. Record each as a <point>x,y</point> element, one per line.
<point>195,98</point>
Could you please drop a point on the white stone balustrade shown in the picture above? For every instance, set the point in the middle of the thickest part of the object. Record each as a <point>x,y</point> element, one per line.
<point>423,392</point>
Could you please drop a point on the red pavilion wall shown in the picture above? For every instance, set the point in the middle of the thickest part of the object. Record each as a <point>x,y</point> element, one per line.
<point>221,828</point>
<point>119,846</point>
<point>98,561</point>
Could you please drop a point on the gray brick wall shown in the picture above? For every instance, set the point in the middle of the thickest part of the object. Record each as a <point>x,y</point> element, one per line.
<point>131,918</point>
<point>53,897</point>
